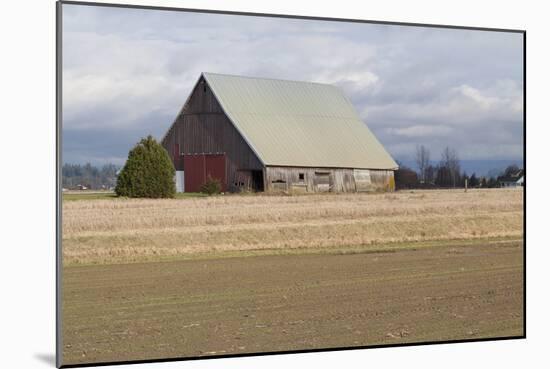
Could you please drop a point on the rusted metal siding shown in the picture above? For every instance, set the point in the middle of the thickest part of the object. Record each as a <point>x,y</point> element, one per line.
<point>324,179</point>
<point>203,128</point>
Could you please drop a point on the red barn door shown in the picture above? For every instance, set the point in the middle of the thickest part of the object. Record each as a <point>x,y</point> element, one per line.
<point>215,168</point>
<point>197,168</point>
<point>193,169</point>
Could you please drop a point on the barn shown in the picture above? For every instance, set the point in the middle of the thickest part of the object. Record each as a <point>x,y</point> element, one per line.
<point>258,134</point>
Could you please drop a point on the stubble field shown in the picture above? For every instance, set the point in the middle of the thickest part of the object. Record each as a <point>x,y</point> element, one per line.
<point>146,279</point>
<point>123,230</point>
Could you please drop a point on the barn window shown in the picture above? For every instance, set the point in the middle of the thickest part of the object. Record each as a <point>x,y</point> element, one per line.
<point>279,185</point>
<point>301,176</point>
<point>204,87</point>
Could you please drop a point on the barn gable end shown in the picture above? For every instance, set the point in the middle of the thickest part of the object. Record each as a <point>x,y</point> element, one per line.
<point>202,128</point>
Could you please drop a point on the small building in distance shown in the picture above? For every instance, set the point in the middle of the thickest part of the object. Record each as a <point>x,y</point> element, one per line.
<point>514,179</point>
<point>257,134</point>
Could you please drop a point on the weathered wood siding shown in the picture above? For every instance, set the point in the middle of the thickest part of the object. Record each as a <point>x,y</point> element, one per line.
<point>203,128</point>
<point>382,180</point>
<point>324,179</point>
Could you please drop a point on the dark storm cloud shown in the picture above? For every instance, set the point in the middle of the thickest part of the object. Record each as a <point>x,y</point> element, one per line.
<point>106,144</point>
<point>127,72</point>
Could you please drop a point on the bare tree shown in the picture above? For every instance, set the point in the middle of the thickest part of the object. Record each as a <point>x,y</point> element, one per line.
<point>422,161</point>
<point>451,165</point>
<point>430,174</point>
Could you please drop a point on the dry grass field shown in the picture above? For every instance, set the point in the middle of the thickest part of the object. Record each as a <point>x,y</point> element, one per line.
<point>124,230</point>
<point>151,279</point>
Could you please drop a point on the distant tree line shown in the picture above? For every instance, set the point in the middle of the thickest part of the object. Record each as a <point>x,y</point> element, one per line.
<point>446,173</point>
<point>77,176</point>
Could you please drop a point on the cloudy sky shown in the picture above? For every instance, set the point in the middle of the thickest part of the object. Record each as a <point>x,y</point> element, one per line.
<point>127,72</point>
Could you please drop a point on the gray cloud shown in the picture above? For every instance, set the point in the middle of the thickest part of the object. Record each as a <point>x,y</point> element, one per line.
<point>127,72</point>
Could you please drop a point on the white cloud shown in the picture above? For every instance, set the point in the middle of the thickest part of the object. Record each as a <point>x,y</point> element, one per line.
<point>421,131</point>
<point>482,101</point>
<point>132,70</point>
<point>461,106</point>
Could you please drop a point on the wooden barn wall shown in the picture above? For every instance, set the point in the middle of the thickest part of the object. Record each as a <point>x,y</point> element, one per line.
<point>382,180</point>
<point>169,143</point>
<point>340,179</point>
<point>202,127</point>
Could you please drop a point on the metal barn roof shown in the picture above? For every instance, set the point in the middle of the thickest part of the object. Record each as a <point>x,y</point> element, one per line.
<point>304,124</point>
